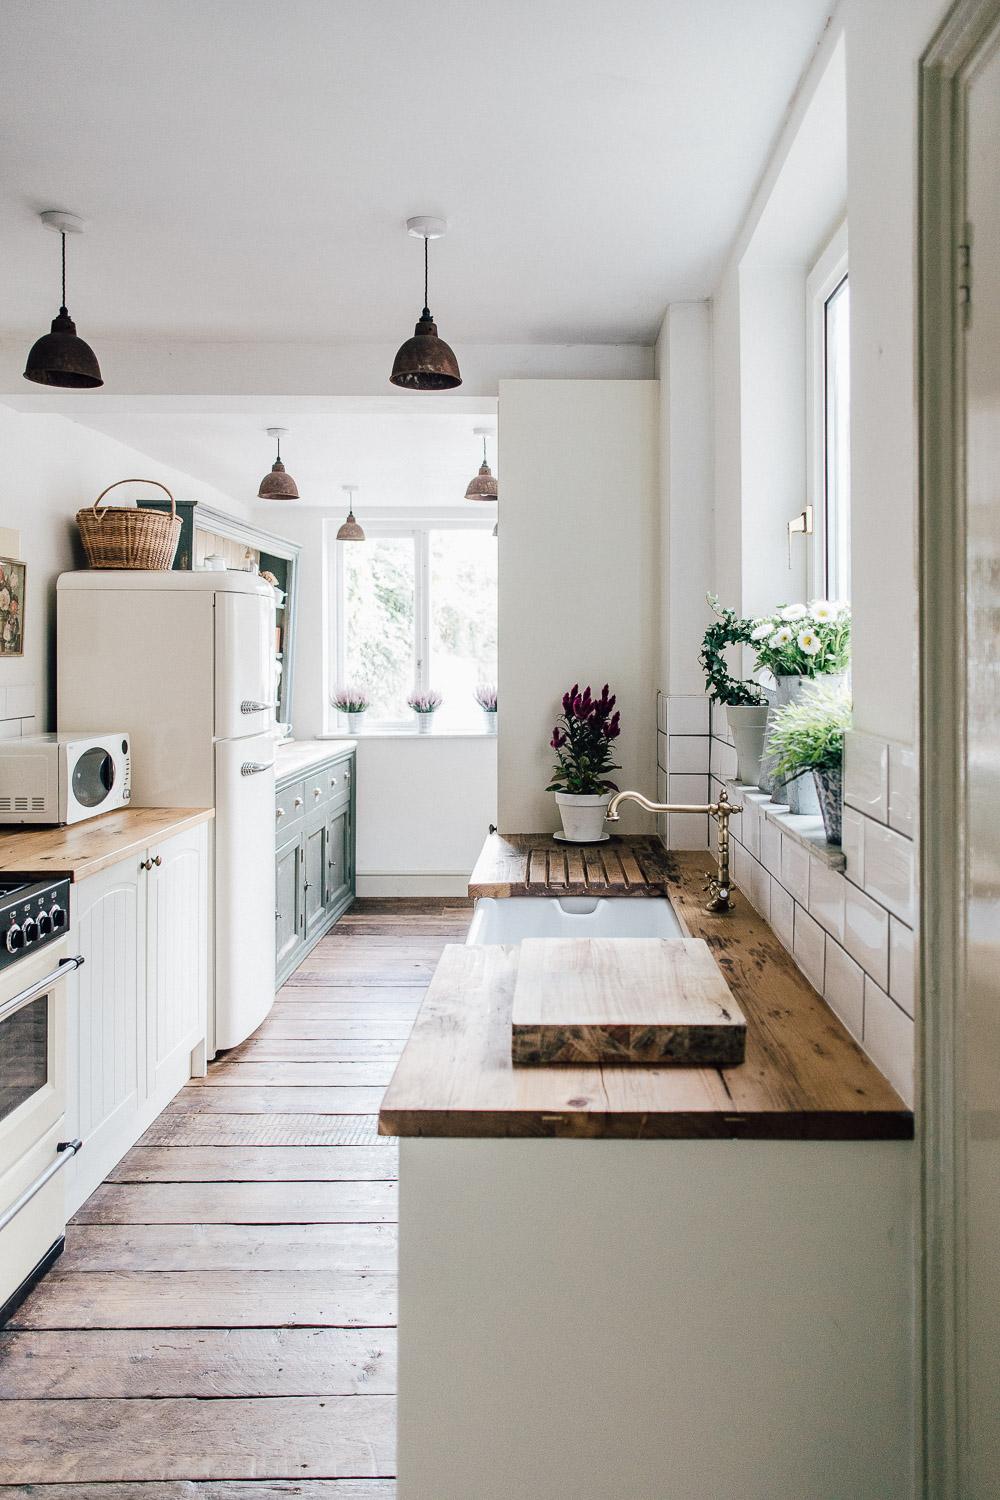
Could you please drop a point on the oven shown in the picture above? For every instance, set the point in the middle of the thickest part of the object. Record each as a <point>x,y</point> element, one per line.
<point>36,965</point>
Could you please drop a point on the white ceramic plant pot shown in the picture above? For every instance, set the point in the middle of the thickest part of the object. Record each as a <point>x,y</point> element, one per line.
<point>747,722</point>
<point>582,817</point>
<point>425,723</point>
<point>490,720</point>
<point>355,722</point>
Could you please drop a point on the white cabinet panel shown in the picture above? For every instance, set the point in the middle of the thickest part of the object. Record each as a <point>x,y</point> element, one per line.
<point>176,958</point>
<point>244,665</point>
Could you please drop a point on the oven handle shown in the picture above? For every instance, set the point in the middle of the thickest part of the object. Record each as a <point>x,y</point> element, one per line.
<point>66,966</point>
<point>67,1150</point>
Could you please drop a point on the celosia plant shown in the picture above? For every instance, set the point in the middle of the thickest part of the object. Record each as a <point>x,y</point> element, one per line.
<point>583,740</point>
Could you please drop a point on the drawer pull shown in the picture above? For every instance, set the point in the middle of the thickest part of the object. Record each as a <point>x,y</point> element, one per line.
<point>250,706</point>
<point>255,767</point>
<point>66,1151</point>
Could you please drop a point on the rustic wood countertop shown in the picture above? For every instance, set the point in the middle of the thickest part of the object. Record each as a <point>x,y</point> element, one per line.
<point>291,757</point>
<point>535,864</point>
<point>83,849</point>
<point>804,1078</point>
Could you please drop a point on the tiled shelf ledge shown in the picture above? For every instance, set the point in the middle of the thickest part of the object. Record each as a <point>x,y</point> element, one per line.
<point>809,831</point>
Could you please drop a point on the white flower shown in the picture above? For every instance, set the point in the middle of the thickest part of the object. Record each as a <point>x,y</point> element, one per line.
<point>809,642</point>
<point>780,638</point>
<point>823,611</point>
<point>793,612</point>
<point>762,630</point>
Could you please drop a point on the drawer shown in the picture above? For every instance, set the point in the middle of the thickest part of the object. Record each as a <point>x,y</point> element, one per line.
<point>331,783</point>
<point>289,808</point>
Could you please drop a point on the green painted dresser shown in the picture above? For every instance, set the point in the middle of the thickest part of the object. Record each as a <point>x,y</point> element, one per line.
<point>314,846</point>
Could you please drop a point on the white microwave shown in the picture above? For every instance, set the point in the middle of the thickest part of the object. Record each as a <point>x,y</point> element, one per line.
<point>64,778</point>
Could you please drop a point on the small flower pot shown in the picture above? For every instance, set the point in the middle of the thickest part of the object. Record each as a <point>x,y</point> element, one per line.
<point>830,792</point>
<point>490,720</point>
<point>799,794</point>
<point>747,722</point>
<point>425,723</point>
<point>355,722</point>
<point>582,817</point>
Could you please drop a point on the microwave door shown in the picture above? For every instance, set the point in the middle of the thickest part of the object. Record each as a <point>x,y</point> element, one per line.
<point>244,665</point>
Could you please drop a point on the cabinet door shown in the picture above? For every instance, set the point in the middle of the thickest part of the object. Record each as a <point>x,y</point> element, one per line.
<point>314,885</point>
<point>339,873</point>
<point>289,918</point>
<point>176,959</point>
<point>107,1027</point>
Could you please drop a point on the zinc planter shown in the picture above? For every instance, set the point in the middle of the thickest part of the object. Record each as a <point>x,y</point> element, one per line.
<point>582,817</point>
<point>799,794</point>
<point>748,722</point>
<point>830,792</point>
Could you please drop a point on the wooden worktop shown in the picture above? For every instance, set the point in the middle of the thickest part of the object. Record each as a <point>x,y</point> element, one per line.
<point>535,864</point>
<point>292,757</point>
<point>83,849</point>
<point>804,1077</point>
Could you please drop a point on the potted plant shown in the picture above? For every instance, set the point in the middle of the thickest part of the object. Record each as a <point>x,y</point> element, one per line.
<point>745,702</point>
<point>425,706</point>
<point>486,697</point>
<point>796,643</point>
<point>583,740</point>
<point>808,736</point>
<point>353,700</point>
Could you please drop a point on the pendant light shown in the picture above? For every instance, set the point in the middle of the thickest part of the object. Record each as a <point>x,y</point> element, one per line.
<point>62,358</point>
<point>425,362</point>
<point>482,486</point>
<point>278,485</point>
<point>350,531</point>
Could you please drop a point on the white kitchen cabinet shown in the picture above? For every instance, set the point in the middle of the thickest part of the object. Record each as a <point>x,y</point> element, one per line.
<point>139,1004</point>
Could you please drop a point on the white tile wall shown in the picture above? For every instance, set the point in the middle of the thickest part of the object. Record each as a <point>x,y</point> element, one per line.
<point>888,870</point>
<point>866,774</point>
<point>661,750</point>
<point>661,712</point>
<point>826,898</point>
<point>889,1037</point>
<point>810,947</point>
<point>902,789</point>
<point>901,965</point>
<point>722,760</point>
<point>782,916</point>
<point>687,831</point>
<point>852,841</point>
<point>770,846</point>
<point>844,988</point>
<point>795,871</point>
<point>687,715</point>
<point>687,789</point>
<point>688,753</point>
<point>866,934</point>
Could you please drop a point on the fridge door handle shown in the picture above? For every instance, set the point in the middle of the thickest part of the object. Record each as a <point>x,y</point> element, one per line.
<point>255,767</point>
<point>250,706</point>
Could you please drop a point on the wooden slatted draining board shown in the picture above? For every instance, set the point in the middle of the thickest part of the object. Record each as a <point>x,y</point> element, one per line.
<point>534,864</point>
<point>613,1000</point>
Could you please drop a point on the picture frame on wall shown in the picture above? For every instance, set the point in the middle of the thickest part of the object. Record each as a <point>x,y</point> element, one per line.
<point>13,576</point>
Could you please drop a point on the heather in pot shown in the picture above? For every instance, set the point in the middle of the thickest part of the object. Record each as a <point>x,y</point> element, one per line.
<point>808,736</point>
<point>354,701</point>
<point>583,740</point>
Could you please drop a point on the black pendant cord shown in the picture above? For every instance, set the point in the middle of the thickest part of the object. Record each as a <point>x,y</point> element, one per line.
<point>427,311</point>
<point>62,236</point>
<point>278,460</point>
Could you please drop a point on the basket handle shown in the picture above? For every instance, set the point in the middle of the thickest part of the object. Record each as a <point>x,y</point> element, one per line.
<point>100,514</point>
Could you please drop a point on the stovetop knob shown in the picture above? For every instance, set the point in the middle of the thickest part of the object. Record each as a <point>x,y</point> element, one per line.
<point>15,938</point>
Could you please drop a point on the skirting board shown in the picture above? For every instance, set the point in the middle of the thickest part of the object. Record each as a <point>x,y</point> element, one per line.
<point>446,884</point>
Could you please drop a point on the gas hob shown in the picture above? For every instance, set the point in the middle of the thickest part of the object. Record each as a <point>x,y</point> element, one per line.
<point>33,913</point>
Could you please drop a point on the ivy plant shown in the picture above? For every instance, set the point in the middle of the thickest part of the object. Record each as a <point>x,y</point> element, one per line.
<point>730,629</point>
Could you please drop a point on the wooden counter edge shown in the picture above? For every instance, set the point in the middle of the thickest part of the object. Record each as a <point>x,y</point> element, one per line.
<point>20,850</point>
<point>707,1125</point>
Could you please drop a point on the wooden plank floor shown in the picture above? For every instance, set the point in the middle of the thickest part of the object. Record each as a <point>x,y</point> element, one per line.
<point>222,1322</point>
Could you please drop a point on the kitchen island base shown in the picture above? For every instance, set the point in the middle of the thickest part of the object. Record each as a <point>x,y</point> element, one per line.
<point>655,1319</point>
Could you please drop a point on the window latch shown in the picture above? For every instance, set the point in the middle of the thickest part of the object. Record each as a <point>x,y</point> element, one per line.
<point>800,525</point>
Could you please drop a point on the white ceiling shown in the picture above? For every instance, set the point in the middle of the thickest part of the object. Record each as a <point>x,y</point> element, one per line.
<point>245,165</point>
<point>397,460</point>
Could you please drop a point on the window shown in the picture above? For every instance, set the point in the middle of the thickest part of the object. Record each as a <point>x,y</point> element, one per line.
<point>828,295</point>
<point>417,609</point>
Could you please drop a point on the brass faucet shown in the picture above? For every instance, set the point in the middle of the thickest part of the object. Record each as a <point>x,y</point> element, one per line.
<point>719,885</point>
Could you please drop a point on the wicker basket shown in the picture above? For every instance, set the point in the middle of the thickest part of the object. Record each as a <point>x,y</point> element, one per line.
<point>127,537</point>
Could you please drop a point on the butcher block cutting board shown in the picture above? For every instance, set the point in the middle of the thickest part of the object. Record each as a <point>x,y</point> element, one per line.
<point>620,1001</point>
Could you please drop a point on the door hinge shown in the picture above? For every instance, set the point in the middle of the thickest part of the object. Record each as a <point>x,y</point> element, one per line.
<point>965,277</point>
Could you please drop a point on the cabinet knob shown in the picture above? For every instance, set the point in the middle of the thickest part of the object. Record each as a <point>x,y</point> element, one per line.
<point>279,812</point>
<point>297,802</point>
<point>347,775</point>
<point>333,781</point>
<point>145,864</point>
<point>157,860</point>
<point>317,791</point>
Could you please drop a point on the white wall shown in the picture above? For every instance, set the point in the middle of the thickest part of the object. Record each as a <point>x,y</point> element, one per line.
<point>53,468</point>
<point>579,584</point>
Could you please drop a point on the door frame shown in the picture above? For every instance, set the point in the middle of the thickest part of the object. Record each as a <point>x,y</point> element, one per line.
<point>968,32</point>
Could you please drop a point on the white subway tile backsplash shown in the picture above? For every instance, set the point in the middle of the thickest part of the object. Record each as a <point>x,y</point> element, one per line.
<point>889,1039</point>
<point>687,789</point>
<point>688,752</point>
<point>760,888</point>
<point>770,846</point>
<point>747,827</point>
<point>866,934</point>
<point>741,868</point>
<point>888,870</point>
<point>852,841</point>
<point>866,774</point>
<point>826,897</point>
<point>722,760</point>
<point>782,914</point>
<point>902,789</point>
<point>901,965</point>
<point>661,750</point>
<point>844,988</point>
<point>661,796</point>
<point>687,714</point>
<point>809,949</point>
<point>795,871</point>
<point>687,831</point>
<point>661,712</point>
<point>10,729</point>
<point>720,723</point>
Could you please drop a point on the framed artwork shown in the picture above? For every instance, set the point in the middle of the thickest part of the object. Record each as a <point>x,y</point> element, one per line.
<point>12,580</point>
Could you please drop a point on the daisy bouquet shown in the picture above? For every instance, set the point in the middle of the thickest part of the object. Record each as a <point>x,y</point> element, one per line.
<point>804,640</point>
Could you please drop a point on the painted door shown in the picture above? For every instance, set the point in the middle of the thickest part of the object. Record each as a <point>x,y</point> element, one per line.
<point>314,884</point>
<point>107,1023</point>
<point>176,958</point>
<point>289,919</point>
<point>338,856</point>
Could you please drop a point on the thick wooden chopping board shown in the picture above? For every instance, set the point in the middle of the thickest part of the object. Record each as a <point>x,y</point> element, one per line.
<point>613,1000</point>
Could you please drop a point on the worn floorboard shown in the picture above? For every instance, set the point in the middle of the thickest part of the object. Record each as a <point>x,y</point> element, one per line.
<point>221,1326</point>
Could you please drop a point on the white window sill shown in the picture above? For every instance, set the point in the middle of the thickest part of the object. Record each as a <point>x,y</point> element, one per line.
<point>409,734</point>
<point>807,830</point>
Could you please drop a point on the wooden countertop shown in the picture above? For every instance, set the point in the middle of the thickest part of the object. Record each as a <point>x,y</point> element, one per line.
<point>294,756</point>
<point>534,864</point>
<point>804,1077</point>
<point>85,848</point>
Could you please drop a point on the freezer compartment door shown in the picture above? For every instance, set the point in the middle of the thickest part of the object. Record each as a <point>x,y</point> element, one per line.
<point>244,886</point>
<point>244,665</point>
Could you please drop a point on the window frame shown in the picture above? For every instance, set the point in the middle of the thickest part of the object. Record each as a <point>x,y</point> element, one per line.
<point>827,275</point>
<point>420,534</point>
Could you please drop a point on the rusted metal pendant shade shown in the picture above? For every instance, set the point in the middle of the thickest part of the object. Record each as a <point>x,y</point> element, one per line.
<point>425,362</point>
<point>63,358</point>
<point>483,486</point>
<point>350,531</point>
<point>279,484</point>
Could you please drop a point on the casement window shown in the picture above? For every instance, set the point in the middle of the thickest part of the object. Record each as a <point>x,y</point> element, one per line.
<point>416,609</point>
<point>829,415</point>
